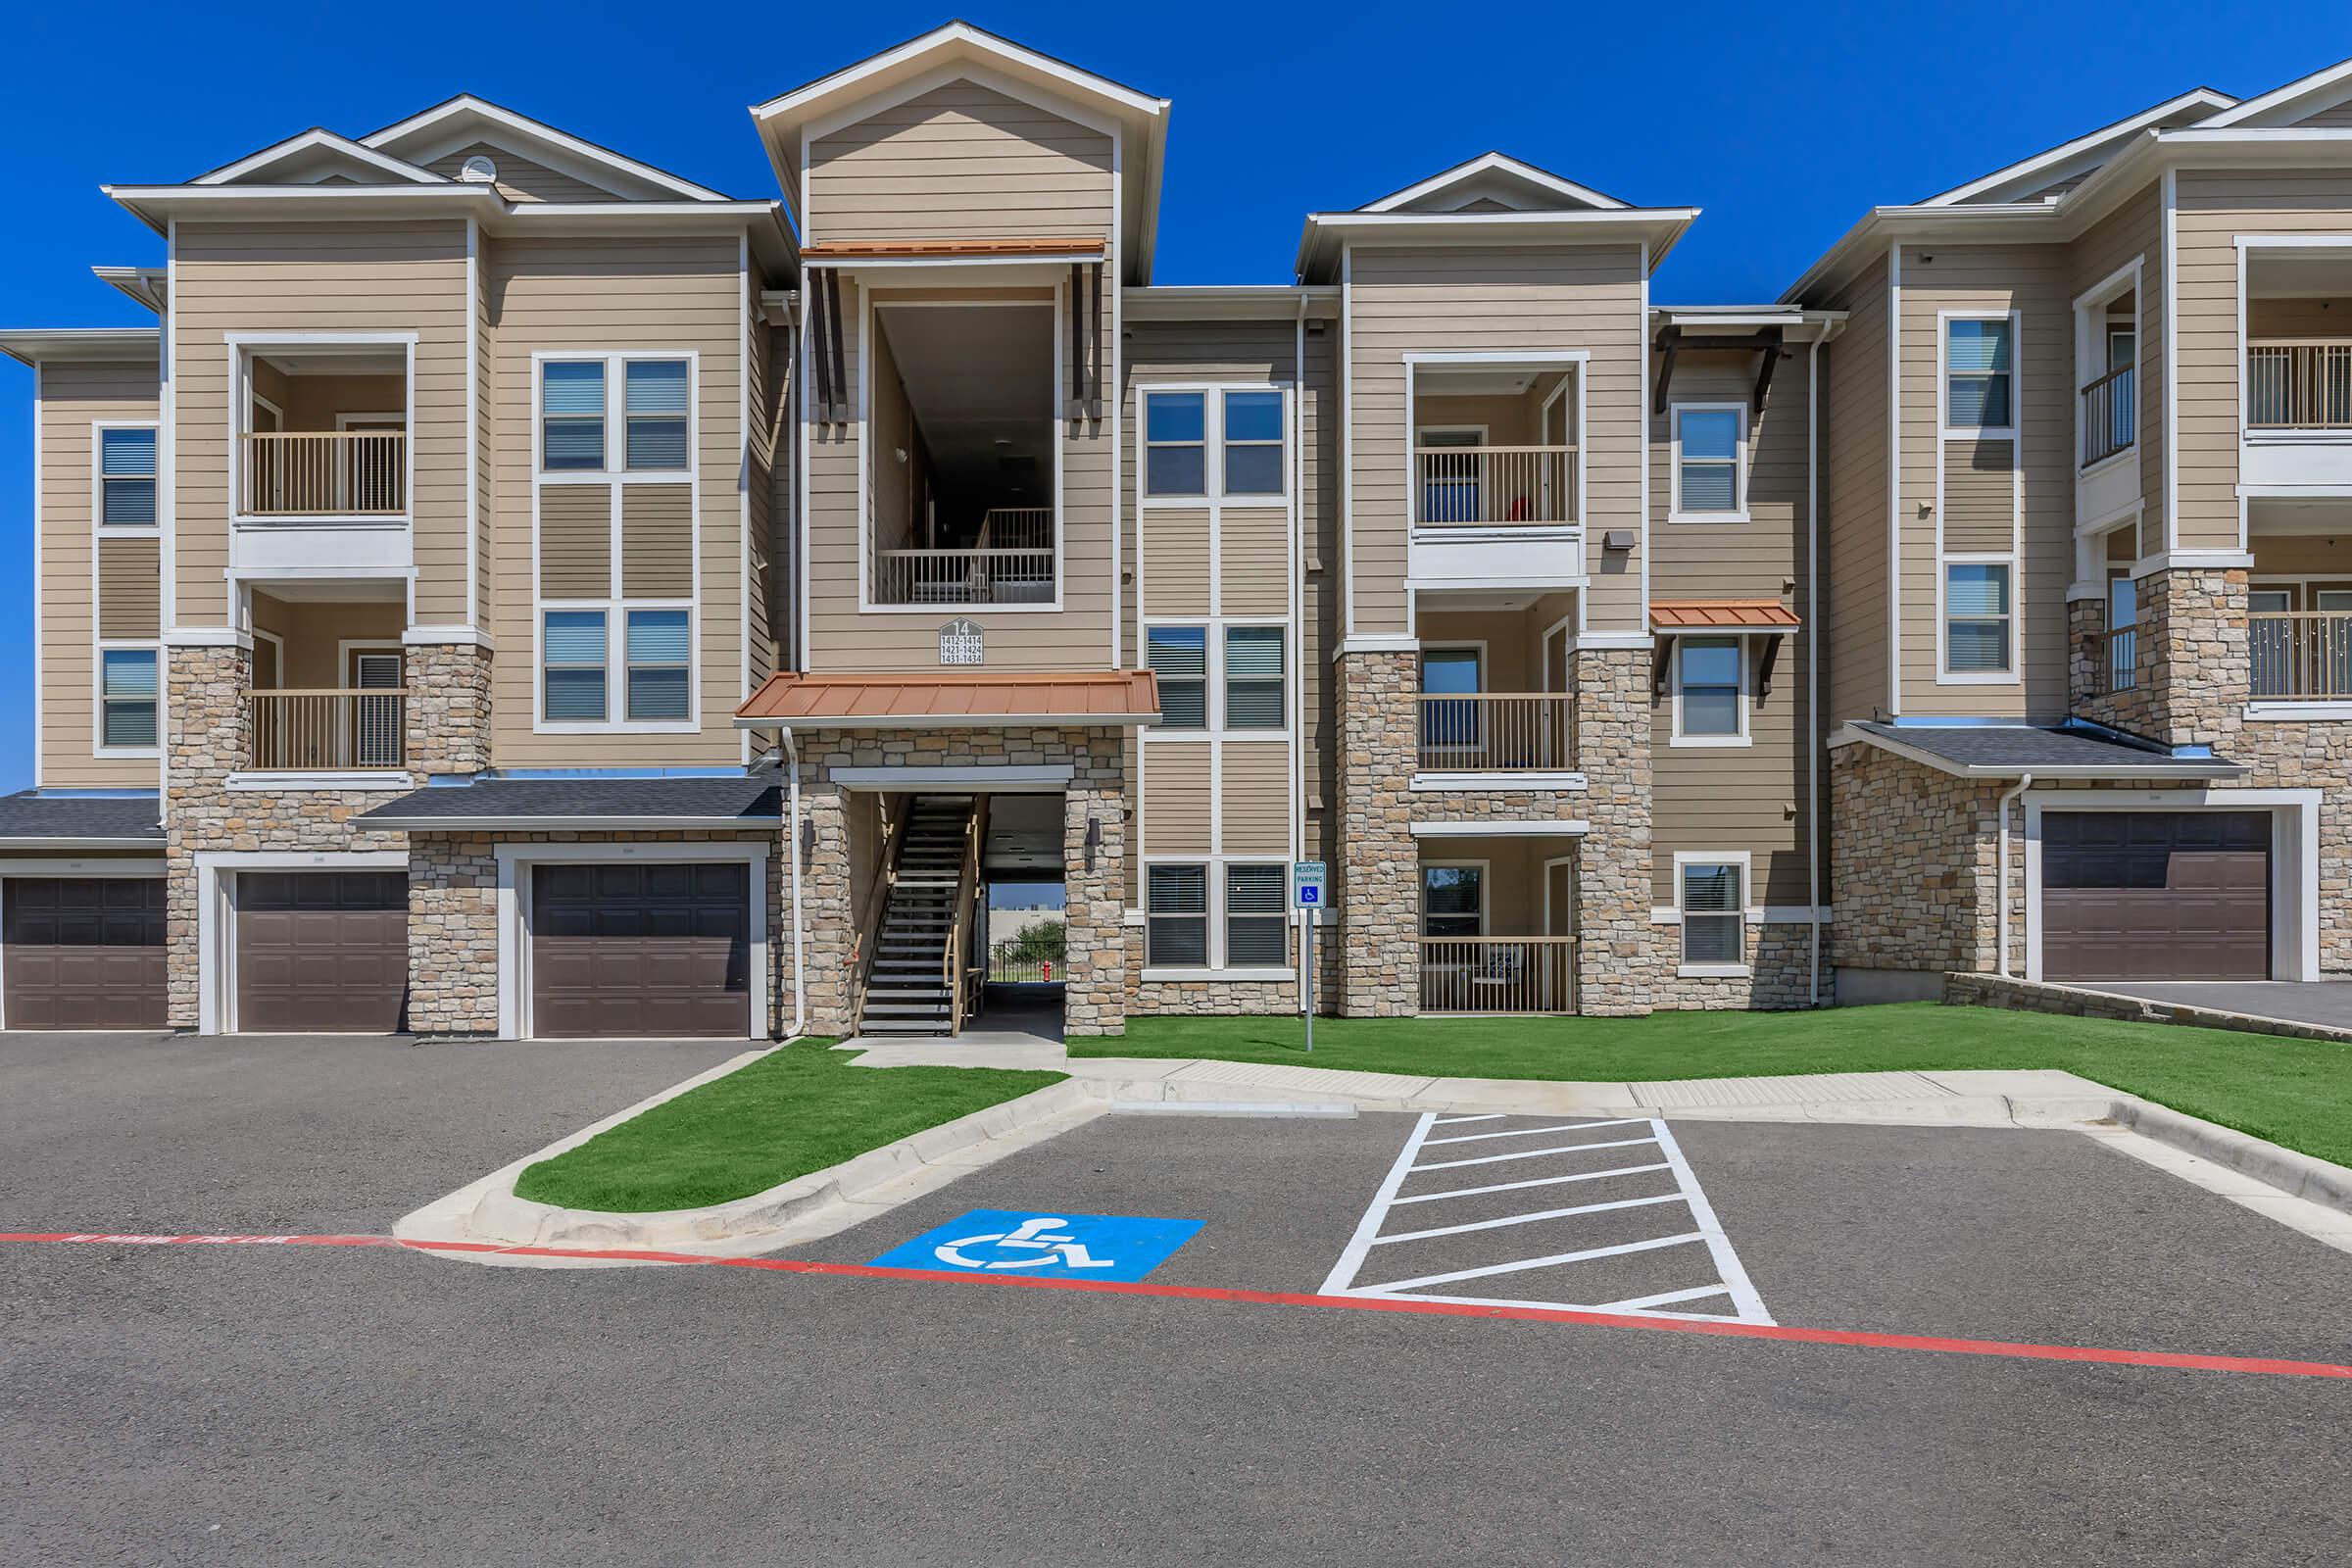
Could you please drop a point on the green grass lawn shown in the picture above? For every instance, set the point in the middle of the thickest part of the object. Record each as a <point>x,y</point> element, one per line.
<point>2293,1092</point>
<point>796,1109</point>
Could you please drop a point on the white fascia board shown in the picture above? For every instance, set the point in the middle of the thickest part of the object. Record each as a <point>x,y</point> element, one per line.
<point>2161,768</point>
<point>153,205</point>
<point>318,140</point>
<point>2288,95</point>
<point>2049,165</point>
<point>35,345</point>
<point>1662,226</point>
<point>539,132</point>
<point>772,240</point>
<point>1488,162</point>
<point>13,843</point>
<point>963,39</point>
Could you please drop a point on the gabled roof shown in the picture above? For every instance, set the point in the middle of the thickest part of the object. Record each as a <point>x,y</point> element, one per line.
<point>1509,181</point>
<point>2283,105</point>
<point>457,122</point>
<point>1326,234</point>
<point>308,146</point>
<point>958,49</point>
<point>2073,159</point>
<point>2047,752</point>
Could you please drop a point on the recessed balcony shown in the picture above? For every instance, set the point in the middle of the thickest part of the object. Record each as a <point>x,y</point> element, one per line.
<point>1495,468</point>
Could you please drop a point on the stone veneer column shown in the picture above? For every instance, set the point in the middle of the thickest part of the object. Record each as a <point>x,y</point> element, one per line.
<point>1621,959</point>
<point>1094,900</point>
<point>448,713</point>
<point>206,737</point>
<point>1380,866</point>
<point>452,934</point>
<point>2195,658</point>
<point>829,932</point>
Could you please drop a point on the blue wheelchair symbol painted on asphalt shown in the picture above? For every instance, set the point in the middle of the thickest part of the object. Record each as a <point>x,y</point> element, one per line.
<point>1077,1247</point>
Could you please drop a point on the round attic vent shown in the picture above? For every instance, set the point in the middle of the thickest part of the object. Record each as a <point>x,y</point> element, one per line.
<point>478,171</point>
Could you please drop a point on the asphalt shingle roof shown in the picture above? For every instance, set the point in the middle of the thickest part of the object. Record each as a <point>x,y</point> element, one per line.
<point>86,819</point>
<point>2025,747</point>
<point>753,798</point>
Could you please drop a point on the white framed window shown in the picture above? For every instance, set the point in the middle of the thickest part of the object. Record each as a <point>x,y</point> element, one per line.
<point>1454,898</point>
<point>1455,671</point>
<point>1979,379</point>
<point>1710,691</point>
<point>654,413</point>
<point>1176,917</point>
<point>1980,620</point>
<point>1710,894</point>
<point>1254,677</point>
<point>1257,923</point>
<point>646,397</point>
<point>129,700</point>
<point>659,658</point>
<point>1208,444</point>
<point>125,476</point>
<point>571,415</point>
<point>1710,462</point>
<point>1179,657</point>
<point>573,660</point>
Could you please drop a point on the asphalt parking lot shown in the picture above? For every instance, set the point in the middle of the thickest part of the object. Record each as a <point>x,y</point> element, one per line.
<point>277,1403</point>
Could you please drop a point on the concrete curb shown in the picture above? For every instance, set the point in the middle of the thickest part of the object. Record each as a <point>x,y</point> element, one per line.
<point>2298,1175</point>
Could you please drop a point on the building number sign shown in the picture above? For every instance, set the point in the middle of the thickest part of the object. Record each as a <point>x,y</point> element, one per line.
<point>960,642</point>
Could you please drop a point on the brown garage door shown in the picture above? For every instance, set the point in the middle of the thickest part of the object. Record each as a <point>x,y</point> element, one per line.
<point>643,952</point>
<point>2155,895</point>
<point>84,953</point>
<point>322,951</point>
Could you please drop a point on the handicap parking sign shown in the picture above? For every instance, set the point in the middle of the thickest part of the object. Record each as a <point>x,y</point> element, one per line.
<point>1045,1246</point>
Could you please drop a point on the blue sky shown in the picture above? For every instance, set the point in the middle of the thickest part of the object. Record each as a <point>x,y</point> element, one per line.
<point>1783,128</point>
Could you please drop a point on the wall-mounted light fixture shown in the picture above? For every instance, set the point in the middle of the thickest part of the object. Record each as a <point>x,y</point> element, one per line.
<point>1094,839</point>
<point>808,838</point>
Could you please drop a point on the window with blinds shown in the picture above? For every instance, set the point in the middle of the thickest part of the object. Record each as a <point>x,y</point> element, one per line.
<point>1976,619</point>
<point>654,408</point>
<point>1706,469</point>
<point>657,660</point>
<point>1712,919</point>
<point>1978,376</point>
<point>126,479</point>
<point>1176,917</point>
<point>1257,921</point>
<point>571,415</point>
<point>126,697</point>
<point>574,646</point>
<point>1254,677</point>
<point>1179,657</point>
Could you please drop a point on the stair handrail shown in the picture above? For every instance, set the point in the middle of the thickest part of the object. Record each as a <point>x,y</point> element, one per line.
<point>866,937</point>
<point>967,877</point>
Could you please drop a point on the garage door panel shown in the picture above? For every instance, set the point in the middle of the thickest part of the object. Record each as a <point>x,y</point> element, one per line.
<point>2156,895</point>
<point>84,953</point>
<point>648,951</point>
<point>322,951</point>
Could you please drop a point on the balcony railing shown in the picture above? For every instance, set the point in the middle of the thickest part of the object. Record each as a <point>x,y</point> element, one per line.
<point>2114,659</point>
<point>1496,732</point>
<point>1494,487</point>
<point>322,473</point>
<point>2300,655</point>
<point>328,731</point>
<point>2108,415</point>
<point>1010,561</point>
<point>1497,974</point>
<point>2299,384</point>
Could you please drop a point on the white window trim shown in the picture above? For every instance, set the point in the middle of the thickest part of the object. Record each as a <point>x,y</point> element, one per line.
<point>1485,895</point>
<point>241,348</point>
<point>1946,675</point>
<point>1747,735</point>
<point>1740,460</point>
<point>1943,376</point>
<point>1214,627</point>
<point>1213,438</point>
<point>101,647</point>
<point>1218,966</point>
<point>1712,971</point>
<point>616,606</point>
<point>99,527</point>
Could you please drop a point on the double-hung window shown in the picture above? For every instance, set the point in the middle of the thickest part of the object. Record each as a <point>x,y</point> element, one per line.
<point>574,646</point>
<point>654,409</point>
<point>126,478</point>
<point>1179,657</point>
<point>1175,444</point>
<point>1977,628</point>
<point>1254,677</point>
<point>126,697</point>
<point>1713,909</point>
<point>1204,445</point>
<point>571,415</point>
<point>1176,917</point>
<point>1710,443</point>
<point>1252,455</point>
<point>658,662</point>
<point>1257,921</point>
<point>1710,701</point>
<point>1979,391</point>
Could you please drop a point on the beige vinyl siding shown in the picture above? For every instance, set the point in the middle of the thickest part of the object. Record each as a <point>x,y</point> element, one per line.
<point>2335,117</point>
<point>72,397</point>
<point>1175,569</point>
<point>657,541</point>
<point>1710,799</point>
<point>491,435</point>
<point>1176,795</point>
<point>1495,300</point>
<point>1253,560</point>
<point>312,634</point>
<point>767,425</point>
<point>129,589</point>
<point>609,295</point>
<point>520,179</point>
<point>2035,281</point>
<point>1255,793</point>
<point>1758,558</point>
<point>576,542</point>
<point>1855,485</point>
<point>2215,206</point>
<point>320,277</point>
<point>842,637</point>
<point>1980,497</point>
<point>961,161</point>
<point>2134,231</point>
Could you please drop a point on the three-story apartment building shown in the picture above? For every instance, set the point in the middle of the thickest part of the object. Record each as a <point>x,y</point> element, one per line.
<point>514,590</point>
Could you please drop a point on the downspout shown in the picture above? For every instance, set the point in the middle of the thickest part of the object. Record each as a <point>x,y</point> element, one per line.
<point>799,958</point>
<point>2024,782</point>
<point>1813,742</point>
<point>1299,756</point>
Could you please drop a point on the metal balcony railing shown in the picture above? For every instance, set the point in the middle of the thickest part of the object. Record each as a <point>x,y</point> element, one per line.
<point>326,731</point>
<point>2108,416</point>
<point>1497,974</point>
<point>2299,656</point>
<point>1010,561</point>
<point>2114,659</point>
<point>1496,732</point>
<point>1494,487</point>
<point>322,473</point>
<point>2299,384</point>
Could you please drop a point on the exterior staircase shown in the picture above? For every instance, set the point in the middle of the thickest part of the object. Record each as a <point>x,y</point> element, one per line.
<point>908,987</point>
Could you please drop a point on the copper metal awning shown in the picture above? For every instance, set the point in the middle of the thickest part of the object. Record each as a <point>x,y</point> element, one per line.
<point>1079,700</point>
<point>1721,615</point>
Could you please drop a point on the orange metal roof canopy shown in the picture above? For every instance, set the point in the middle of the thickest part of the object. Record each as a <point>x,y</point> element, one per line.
<point>1721,615</point>
<point>1076,700</point>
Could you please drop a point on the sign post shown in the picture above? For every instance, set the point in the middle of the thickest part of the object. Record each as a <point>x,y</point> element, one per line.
<point>1306,893</point>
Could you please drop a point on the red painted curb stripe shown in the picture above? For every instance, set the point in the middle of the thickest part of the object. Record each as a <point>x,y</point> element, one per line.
<point>2012,1349</point>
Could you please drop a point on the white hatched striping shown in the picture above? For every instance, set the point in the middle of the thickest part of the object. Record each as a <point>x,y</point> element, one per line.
<point>1704,1229</point>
